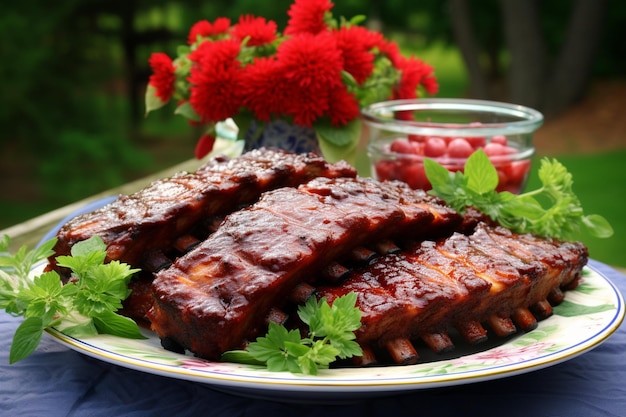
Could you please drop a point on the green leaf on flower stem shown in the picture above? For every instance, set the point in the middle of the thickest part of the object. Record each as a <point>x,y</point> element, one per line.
<point>339,143</point>
<point>347,135</point>
<point>187,112</point>
<point>357,19</point>
<point>153,102</point>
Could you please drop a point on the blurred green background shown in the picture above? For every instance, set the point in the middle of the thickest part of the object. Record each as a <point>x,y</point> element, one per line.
<point>73,76</point>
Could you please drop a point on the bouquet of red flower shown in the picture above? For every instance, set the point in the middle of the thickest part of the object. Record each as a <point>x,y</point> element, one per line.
<point>318,73</point>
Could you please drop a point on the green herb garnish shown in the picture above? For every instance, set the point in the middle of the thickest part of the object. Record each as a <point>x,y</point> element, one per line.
<point>83,307</point>
<point>331,336</point>
<point>553,210</point>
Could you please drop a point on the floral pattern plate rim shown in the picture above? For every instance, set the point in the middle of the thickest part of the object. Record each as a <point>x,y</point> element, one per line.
<point>587,317</point>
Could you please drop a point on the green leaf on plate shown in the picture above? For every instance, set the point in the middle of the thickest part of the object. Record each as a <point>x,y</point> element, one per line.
<point>26,339</point>
<point>109,322</point>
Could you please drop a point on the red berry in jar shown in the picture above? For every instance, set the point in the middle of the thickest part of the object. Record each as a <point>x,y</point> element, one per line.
<point>417,138</point>
<point>414,175</point>
<point>418,148</point>
<point>476,141</point>
<point>516,174</point>
<point>435,147</point>
<point>385,170</point>
<point>401,146</point>
<point>459,148</point>
<point>495,149</point>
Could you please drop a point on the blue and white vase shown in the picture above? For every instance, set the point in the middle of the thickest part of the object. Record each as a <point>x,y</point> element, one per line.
<point>283,135</point>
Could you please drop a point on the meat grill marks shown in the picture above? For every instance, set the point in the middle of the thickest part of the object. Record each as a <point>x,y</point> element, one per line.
<point>492,277</point>
<point>164,216</point>
<point>217,296</point>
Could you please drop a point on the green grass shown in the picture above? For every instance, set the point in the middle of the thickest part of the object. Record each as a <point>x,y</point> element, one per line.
<point>600,183</point>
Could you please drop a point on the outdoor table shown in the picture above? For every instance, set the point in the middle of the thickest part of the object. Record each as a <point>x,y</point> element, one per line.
<point>58,381</point>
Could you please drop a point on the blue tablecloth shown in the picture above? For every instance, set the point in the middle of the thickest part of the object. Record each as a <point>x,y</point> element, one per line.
<point>56,381</point>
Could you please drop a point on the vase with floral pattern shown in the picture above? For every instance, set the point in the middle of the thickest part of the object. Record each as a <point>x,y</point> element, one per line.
<point>283,135</point>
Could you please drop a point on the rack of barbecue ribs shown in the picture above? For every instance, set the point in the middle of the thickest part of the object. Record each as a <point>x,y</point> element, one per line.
<point>419,268</point>
<point>217,296</point>
<point>494,277</point>
<point>151,227</point>
<point>135,226</point>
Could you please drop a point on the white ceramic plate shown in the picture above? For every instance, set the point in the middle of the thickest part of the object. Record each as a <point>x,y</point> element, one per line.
<point>588,316</point>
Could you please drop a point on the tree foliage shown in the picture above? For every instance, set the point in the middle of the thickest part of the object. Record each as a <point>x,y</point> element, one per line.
<point>542,54</point>
<point>74,73</point>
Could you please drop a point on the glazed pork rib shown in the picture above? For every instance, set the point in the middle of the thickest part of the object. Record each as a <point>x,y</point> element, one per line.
<point>492,276</point>
<point>137,227</point>
<point>217,296</point>
<point>418,267</point>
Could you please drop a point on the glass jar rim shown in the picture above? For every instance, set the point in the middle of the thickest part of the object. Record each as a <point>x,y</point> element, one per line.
<point>526,119</point>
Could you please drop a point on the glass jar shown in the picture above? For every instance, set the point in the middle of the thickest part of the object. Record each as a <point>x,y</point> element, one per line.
<point>401,133</point>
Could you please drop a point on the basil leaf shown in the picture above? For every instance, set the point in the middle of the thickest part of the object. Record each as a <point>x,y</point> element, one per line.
<point>26,339</point>
<point>111,323</point>
<point>482,176</point>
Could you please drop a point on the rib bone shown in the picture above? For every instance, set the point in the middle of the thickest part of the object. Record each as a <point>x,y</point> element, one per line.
<point>438,342</point>
<point>402,351</point>
<point>472,331</point>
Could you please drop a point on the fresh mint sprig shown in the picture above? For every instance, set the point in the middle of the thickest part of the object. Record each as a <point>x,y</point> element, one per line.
<point>83,307</point>
<point>552,210</point>
<point>331,337</point>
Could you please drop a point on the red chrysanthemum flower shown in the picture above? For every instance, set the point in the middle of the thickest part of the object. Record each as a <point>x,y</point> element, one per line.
<point>413,74</point>
<point>344,107</point>
<point>311,66</point>
<point>215,80</point>
<point>163,75</point>
<point>429,81</point>
<point>264,92</point>
<point>206,29</point>
<point>221,25</point>
<point>260,31</point>
<point>308,16</point>
<point>201,28</point>
<point>356,43</point>
<point>390,49</point>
